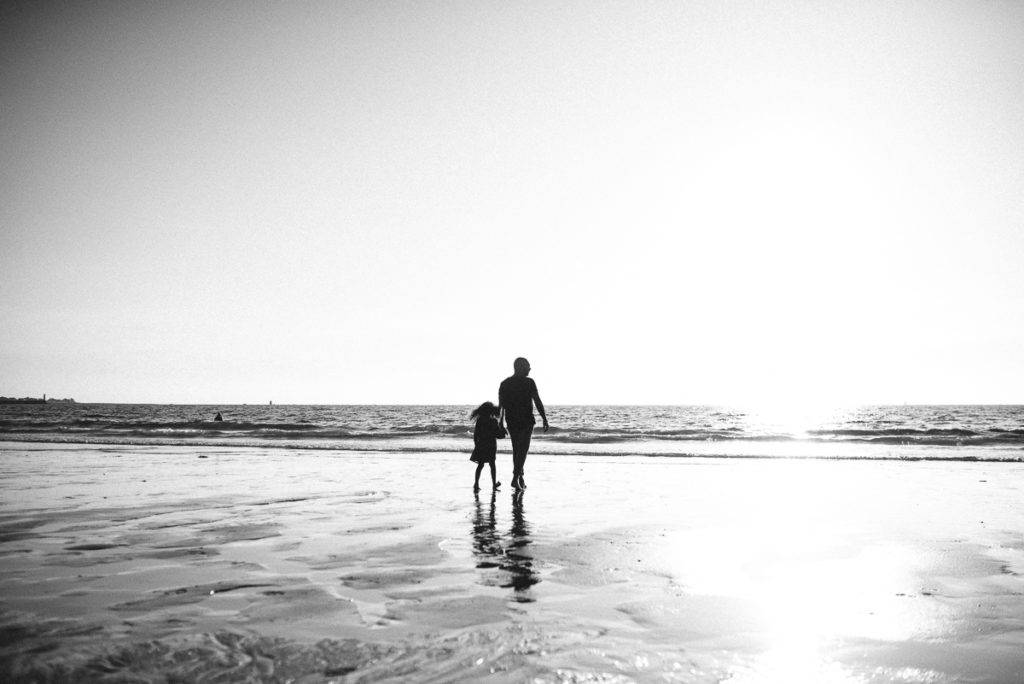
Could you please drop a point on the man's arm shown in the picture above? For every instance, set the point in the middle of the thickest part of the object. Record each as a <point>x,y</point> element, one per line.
<point>540,406</point>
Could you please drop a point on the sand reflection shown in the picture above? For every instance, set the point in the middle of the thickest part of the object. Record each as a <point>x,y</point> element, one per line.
<point>808,592</point>
<point>507,560</point>
<point>486,541</point>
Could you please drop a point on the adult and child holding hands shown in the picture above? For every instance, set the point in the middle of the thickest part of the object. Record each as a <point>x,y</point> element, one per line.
<point>517,395</point>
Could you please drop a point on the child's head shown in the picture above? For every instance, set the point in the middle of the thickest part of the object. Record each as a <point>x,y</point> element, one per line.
<point>484,410</point>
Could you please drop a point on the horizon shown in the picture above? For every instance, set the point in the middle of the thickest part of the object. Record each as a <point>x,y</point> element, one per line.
<point>735,406</point>
<point>660,204</point>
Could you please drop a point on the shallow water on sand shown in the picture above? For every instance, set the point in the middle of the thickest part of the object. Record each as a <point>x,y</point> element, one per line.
<point>231,564</point>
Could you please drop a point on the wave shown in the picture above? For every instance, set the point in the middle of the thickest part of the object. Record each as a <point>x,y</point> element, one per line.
<point>269,430</point>
<point>898,432</point>
<point>100,424</point>
<point>589,435</point>
<point>930,436</point>
<point>453,447</point>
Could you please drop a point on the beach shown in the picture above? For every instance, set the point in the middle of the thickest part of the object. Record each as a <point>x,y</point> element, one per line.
<point>137,562</point>
<point>741,283</point>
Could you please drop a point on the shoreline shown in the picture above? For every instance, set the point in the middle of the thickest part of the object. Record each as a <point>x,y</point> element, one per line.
<point>797,450</point>
<point>343,566</point>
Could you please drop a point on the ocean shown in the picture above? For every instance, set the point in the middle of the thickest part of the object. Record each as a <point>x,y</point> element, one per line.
<point>976,433</point>
<point>655,543</point>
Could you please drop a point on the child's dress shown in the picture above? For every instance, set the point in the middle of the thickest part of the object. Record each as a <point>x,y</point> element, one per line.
<point>485,440</point>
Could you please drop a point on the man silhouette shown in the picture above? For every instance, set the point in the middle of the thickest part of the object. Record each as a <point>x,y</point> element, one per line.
<point>516,396</point>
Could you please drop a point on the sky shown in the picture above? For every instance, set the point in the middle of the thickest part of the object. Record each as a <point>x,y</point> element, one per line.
<point>378,202</point>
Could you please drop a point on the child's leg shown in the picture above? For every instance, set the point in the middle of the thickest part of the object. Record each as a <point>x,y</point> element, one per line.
<point>476,479</point>
<point>494,475</point>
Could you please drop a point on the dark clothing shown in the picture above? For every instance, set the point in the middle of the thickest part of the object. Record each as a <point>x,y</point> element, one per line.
<point>516,395</point>
<point>485,440</point>
<point>520,446</point>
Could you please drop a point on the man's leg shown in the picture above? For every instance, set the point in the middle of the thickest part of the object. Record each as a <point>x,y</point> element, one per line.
<point>520,446</point>
<point>514,436</point>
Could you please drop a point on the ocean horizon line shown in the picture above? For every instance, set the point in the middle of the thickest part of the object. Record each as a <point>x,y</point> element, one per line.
<point>744,405</point>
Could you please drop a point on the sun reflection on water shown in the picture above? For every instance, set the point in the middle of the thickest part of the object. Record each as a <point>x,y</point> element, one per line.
<point>808,587</point>
<point>795,419</point>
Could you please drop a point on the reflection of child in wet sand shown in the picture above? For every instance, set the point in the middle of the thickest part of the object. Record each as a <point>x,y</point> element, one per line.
<point>485,441</point>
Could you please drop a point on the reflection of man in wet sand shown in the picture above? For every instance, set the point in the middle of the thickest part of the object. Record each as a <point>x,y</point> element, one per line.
<point>515,562</point>
<point>516,396</point>
<point>518,559</point>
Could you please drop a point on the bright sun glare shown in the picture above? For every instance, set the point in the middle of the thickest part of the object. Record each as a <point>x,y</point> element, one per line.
<point>805,587</point>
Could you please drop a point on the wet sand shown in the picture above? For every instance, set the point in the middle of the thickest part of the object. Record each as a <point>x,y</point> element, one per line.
<point>273,564</point>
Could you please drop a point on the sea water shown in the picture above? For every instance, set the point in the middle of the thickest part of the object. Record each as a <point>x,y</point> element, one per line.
<point>972,432</point>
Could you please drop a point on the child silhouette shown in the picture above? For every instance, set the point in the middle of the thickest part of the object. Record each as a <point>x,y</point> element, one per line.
<point>485,441</point>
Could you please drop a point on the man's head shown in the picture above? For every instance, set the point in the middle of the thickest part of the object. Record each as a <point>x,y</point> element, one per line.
<point>521,366</point>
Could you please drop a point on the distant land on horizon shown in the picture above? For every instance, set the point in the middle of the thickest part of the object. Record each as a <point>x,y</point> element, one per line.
<point>35,400</point>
